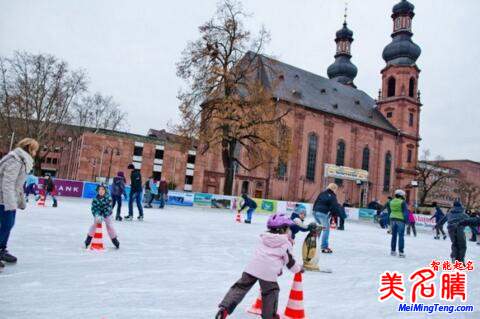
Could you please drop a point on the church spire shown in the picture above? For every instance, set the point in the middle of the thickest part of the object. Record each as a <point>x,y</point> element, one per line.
<point>343,70</point>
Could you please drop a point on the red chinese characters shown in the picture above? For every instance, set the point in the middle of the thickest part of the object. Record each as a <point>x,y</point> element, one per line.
<point>422,287</point>
<point>453,285</point>
<point>391,285</point>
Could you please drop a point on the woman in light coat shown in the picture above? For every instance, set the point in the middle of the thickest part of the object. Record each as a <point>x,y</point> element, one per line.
<point>14,168</point>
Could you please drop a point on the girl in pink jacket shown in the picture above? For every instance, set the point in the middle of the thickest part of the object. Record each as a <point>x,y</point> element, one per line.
<point>271,255</point>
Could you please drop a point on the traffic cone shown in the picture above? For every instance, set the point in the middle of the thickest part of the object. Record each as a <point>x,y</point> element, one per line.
<point>97,240</point>
<point>294,308</point>
<point>41,201</point>
<point>238,219</point>
<point>256,308</point>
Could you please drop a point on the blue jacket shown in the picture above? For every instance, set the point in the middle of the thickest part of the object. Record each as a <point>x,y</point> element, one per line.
<point>297,228</point>
<point>118,186</point>
<point>31,179</point>
<point>248,202</point>
<point>327,202</point>
<point>454,217</point>
<point>438,215</point>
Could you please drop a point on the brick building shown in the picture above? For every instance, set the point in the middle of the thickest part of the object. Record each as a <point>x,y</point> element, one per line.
<point>100,154</point>
<point>333,122</point>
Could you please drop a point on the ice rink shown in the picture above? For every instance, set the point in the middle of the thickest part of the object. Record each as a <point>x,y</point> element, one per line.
<point>180,262</point>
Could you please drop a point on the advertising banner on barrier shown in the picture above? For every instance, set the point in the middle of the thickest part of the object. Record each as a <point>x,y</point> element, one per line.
<point>202,199</point>
<point>65,187</point>
<point>180,198</point>
<point>365,213</point>
<point>222,201</point>
<point>424,221</point>
<point>352,213</point>
<point>89,190</point>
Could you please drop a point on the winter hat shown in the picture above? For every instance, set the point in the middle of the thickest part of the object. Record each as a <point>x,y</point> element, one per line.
<point>130,166</point>
<point>457,204</point>
<point>120,174</point>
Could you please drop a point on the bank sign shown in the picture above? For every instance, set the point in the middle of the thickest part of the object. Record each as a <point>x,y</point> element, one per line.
<point>343,172</point>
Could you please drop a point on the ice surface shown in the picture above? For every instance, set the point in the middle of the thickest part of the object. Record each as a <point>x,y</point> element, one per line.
<point>181,261</point>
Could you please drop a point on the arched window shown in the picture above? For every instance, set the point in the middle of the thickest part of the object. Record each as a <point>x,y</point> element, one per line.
<point>311,156</point>
<point>411,88</point>
<point>388,172</point>
<point>366,158</point>
<point>391,87</point>
<point>340,158</point>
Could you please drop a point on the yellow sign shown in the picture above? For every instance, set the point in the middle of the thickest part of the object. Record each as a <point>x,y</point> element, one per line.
<point>343,172</point>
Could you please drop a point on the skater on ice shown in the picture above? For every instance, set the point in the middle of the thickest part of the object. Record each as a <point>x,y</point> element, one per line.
<point>135,193</point>
<point>271,255</point>
<point>398,215</point>
<point>102,212</point>
<point>49,189</point>
<point>162,192</point>
<point>298,218</point>
<point>325,207</point>
<point>31,186</point>
<point>438,216</point>
<point>456,230</point>
<point>251,205</point>
<point>411,223</point>
<point>13,172</point>
<point>118,189</point>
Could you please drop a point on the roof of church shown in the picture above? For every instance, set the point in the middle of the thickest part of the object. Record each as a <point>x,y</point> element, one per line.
<point>301,87</point>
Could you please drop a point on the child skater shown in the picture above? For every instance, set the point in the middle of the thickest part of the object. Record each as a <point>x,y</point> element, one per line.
<point>102,211</point>
<point>273,252</point>
<point>456,231</point>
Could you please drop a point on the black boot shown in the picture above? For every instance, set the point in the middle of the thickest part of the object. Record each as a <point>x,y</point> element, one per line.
<point>116,243</point>
<point>88,240</point>
<point>119,218</point>
<point>54,204</point>
<point>6,257</point>
<point>221,314</point>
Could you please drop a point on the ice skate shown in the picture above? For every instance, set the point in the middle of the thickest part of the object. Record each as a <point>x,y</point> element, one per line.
<point>247,221</point>
<point>1,264</point>
<point>7,257</point>
<point>401,255</point>
<point>221,314</point>
<point>88,240</point>
<point>119,218</point>
<point>129,217</point>
<point>393,253</point>
<point>116,243</point>
<point>436,237</point>
<point>444,237</point>
<point>140,218</point>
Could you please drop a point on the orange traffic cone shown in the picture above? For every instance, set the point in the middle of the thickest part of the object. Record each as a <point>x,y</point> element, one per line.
<point>238,219</point>
<point>295,308</point>
<point>256,308</point>
<point>41,201</point>
<point>97,240</point>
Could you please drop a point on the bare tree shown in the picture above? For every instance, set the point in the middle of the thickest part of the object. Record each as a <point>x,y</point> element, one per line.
<point>469,194</point>
<point>36,93</point>
<point>226,106</point>
<point>98,111</point>
<point>433,178</point>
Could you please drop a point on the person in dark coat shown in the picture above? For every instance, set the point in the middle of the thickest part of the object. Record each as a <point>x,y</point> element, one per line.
<point>326,206</point>
<point>163,192</point>
<point>473,230</point>
<point>298,217</point>
<point>251,204</point>
<point>118,189</point>
<point>472,222</point>
<point>135,193</point>
<point>438,215</point>
<point>49,188</point>
<point>456,231</point>
<point>341,225</point>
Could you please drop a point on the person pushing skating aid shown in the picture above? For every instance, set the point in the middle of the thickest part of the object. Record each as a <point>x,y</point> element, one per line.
<point>271,255</point>
<point>102,211</point>
<point>250,203</point>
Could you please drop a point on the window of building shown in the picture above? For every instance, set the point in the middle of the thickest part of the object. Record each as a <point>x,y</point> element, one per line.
<point>49,160</point>
<point>411,88</point>
<point>366,159</point>
<point>189,180</point>
<point>245,187</point>
<point>389,114</point>
<point>388,172</point>
<point>191,159</point>
<point>137,151</point>
<point>409,156</point>
<point>159,154</point>
<point>340,158</point>
<point>311,157</point>
<point>281,169</point>
<point>54,161</point>
<point>410,119</point>
<point>391,87</point>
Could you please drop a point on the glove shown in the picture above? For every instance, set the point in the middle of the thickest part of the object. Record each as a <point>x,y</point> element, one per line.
<point>302,269</point>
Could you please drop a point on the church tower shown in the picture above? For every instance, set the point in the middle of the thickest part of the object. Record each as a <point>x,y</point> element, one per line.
<point>343,70</point>
<point>399,98</point>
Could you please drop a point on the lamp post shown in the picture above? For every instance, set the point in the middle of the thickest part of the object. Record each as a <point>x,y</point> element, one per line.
<point>70,157</point>
<point>117,153</point>
<point>93,162</point>
<point>414,184</point>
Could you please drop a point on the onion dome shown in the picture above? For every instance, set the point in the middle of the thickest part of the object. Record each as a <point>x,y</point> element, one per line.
<point>343,70</point>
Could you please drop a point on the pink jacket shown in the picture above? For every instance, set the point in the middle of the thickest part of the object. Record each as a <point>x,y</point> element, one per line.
<point>270,256</point>
<point>411,218</point>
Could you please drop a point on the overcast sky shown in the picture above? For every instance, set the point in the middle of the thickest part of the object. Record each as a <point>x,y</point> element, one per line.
<point>129,49</point>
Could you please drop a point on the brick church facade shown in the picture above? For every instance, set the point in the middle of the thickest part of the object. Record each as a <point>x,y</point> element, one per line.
<point>333,122</point>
